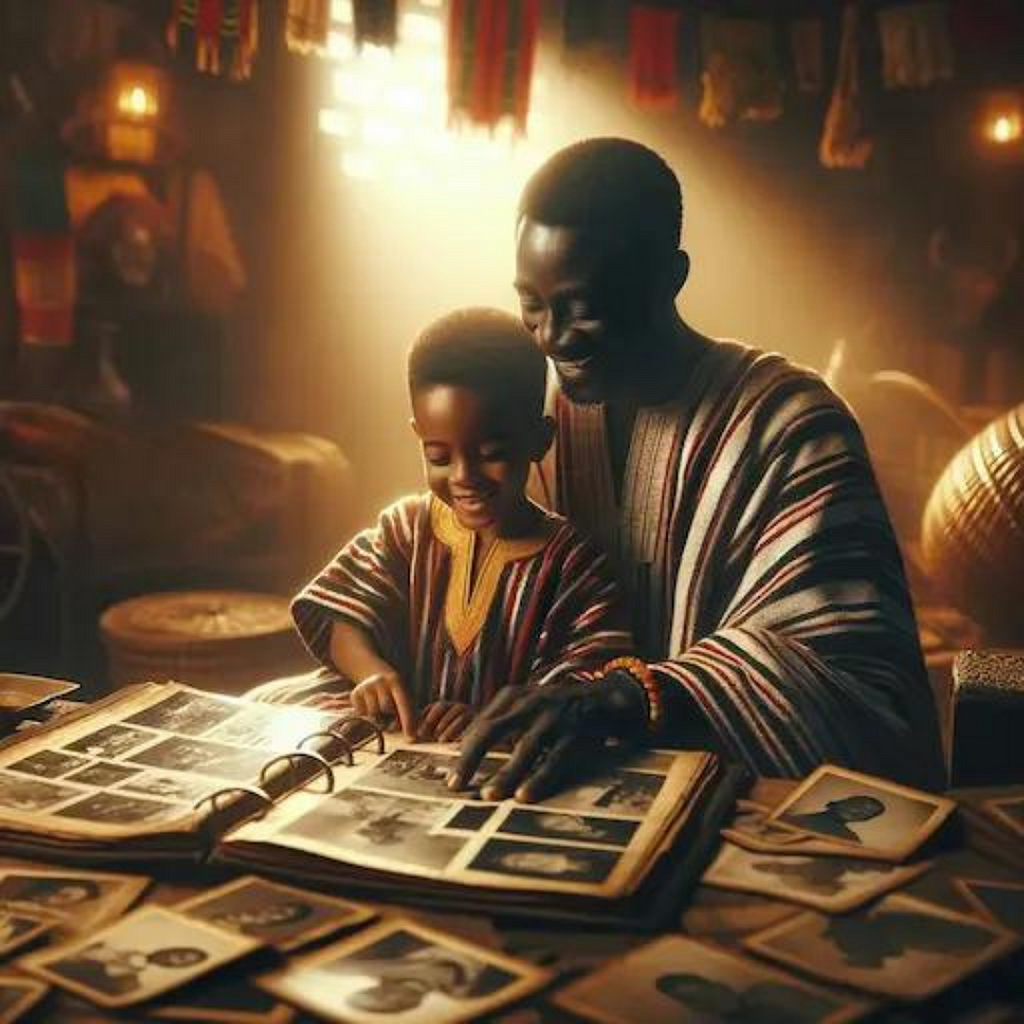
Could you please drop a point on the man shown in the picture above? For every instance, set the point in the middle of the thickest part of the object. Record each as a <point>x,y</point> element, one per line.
<point>833,819</point>
<point>735,493</point>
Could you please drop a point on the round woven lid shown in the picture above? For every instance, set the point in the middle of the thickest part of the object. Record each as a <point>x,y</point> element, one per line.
<point>199,617</point>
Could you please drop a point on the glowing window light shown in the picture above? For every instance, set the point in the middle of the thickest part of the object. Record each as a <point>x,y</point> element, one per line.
<point>1003,129</point>
<point>136,101</point>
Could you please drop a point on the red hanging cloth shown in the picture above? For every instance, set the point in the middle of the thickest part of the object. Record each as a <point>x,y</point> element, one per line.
<point>653,44</point>
<point>491,47</point>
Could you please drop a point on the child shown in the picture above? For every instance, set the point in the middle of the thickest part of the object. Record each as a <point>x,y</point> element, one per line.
<point>471,587</point>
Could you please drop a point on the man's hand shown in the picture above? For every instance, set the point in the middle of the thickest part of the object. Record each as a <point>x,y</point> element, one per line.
<point>561,727</point>
<point>382,696</point>
<point>444,721</point>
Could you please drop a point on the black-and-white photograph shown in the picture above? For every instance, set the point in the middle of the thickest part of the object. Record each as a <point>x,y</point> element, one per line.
<point>571,828</point>
<point>899,946</point>
<point>621,791</point>
<point>403,972</point>
<point>112,808</point>
<point>832,884</point>
<point>1001,902</point>
<point>18,996</point>
<point>103,774</point>
<point>469,818</point>
<point>272,729</point>
<point>188,713</point>
<point>679,979</point>
<point>384,826</point>
<point>20,927</point>
<point>278,915</point>
<point>424,773</point>
<point>48,764</point>
<point>170,786</point>
<point>545,860</point>
<point>879,817</point>
<point>84,898</point>
<point>151,951</point>
<point>210,759</point>
<point>30,796</point>
<point>112,741</point>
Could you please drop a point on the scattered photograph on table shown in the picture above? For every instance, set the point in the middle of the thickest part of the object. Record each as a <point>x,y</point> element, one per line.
<point>678,979</point>
<point>1001,902</point>
<point>403,972</point>
<point>423,773</point>
<point>388,827</point>
<point>201,756</point>
<point>832,884</point>
<point>621,791</point>
<point>30,796</point>
<point>18,996</point>
<point>1009,812</point>
<point>545,860</point>
<point>20,927</point>
<point>112,741</point>
<point>151,951</point>
<point>183,788</point>
<point>227,1000</point>
<point>48,764</point>
<point>80,898</point>
<point>189,713</point>
<point>111,808</point>
<point>469,818</point>
<point>900,947</point>
<point>278,915</point>
<point>579,828</point>
<point>103,774</point>
<point>878,817</point>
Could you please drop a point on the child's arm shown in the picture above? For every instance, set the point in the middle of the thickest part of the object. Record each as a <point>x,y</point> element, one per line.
<point>379,690</point>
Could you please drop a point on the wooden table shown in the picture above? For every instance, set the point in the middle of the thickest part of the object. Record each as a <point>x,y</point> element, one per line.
<point>713,915</point>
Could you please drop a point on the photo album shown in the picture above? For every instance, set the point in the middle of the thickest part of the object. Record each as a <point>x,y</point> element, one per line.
<point>164,771</point>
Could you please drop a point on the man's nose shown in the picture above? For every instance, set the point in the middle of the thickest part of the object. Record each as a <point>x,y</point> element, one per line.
<point>549,333</point>
<point>464,471</point>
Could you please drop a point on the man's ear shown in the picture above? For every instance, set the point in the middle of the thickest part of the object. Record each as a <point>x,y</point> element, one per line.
<point>545,437</point>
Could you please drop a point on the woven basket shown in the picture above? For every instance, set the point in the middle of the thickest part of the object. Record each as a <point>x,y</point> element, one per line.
<point>220,640</point>
<point>973,530</point>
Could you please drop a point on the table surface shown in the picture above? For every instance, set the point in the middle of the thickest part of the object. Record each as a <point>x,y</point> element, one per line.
<point>713,915</point>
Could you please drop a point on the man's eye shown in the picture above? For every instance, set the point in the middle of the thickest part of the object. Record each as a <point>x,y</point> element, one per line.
<point>580,310</point>
<point>529,304</point>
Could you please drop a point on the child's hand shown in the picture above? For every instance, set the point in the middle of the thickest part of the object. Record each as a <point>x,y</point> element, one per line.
<point>382,695</point>
<point>444,721</point>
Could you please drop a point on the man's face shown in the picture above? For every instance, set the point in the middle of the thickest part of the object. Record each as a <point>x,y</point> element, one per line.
<point>857,808</point>
<point>476,454</point>
<point>587,313</point>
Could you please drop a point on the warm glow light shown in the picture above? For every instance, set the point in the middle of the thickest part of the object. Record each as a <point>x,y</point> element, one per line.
<point>1005,128</point>
<point>136,101</point>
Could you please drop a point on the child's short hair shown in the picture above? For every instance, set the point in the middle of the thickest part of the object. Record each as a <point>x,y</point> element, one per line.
<point>483,350</point>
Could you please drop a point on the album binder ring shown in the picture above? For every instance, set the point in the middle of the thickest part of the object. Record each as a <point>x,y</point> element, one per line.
<point>292,755</point>
<point>255,791</point>
<point>346,755</point>
<point>377,730</point>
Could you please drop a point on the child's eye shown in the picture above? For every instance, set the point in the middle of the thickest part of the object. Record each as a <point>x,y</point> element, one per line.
<point>494,454</point>
<point>435,459</point>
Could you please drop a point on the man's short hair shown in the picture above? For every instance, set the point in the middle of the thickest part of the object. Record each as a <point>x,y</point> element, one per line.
<point>613,188</point>
<point>484,350</point>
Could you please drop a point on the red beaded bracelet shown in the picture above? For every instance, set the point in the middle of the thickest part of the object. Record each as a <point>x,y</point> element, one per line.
<point>646,678</point>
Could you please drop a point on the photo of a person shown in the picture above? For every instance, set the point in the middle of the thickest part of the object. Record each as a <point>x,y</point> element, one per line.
<point>54,892</point>
<point>203,757</point>
<point>835,818</point>
<point>188,713</point>
<point>545,860</point>
<point>78,899</point>
<point>111,742</point>
<point>48,764</point>
<point>579,828</point>
<point>186,788</point>
<point>424,773</point>
<point>103,774</point>
<point>116,972</point>
<point>21,793</point>
<point>109,807</point>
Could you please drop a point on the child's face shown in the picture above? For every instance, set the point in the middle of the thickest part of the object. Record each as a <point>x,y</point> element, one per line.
<point>476,455</point>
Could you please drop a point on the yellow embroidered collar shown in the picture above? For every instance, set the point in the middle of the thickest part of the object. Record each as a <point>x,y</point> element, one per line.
<point>467,603</point>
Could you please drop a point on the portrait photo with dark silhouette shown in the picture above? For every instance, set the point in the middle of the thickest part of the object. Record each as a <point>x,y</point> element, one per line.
<point>879,818</point>
<point>82,898</point>
<point>900,947</point>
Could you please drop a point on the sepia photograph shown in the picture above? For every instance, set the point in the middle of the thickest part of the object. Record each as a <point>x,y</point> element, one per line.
<point>278,915</point>
<point>679,979</point>
<point>879,818</point>
<point>621,791</point>
<point>20,927</point>
<point>1009,812</point>
<point>384,826</point>
<point>111,808</point>
<point>271,730</point>
<point>17,996</point>
<point>145,954</point>
<point>103,774</point>
<point>30,796</point>
<point>403,972</point>
<point>48,764</point>
<point>81,899</point>
<point>1000,902</point>
<point>170,786</point>
<point>573,828</point>
<point>112,742</point>
<point>189,713</point>
<point>468,818</point>
<point>832,884</point>
<point>899,947</point>
<point>201,756</point>
<point>424,773</point>
<point>545,860</point>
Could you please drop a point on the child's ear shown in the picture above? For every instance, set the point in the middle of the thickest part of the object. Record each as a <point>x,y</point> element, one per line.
<point>545,437</point>
<point>415,428</point>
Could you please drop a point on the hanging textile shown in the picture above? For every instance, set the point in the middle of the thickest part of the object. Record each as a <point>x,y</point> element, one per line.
<point>307,23</point>
<point>223,34</point>
<point>44,254</point>
<point>844,141</point>
<point>375,22</point>
<point>491,46</point>
<point>741,77</point>
<point>916,47</point>
<point>653,45</point>
<point>807,43</point>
